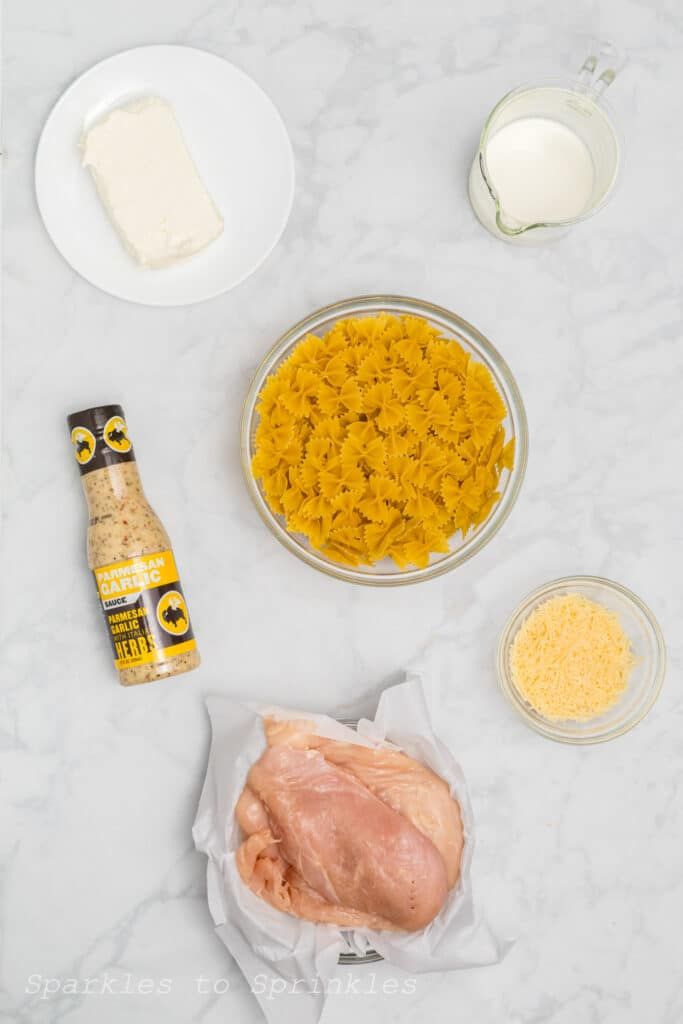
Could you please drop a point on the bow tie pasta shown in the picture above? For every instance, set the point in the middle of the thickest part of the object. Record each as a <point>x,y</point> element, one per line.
<point>381,439</point>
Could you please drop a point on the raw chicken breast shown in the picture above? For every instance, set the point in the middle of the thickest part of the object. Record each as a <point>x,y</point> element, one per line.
<point>410,788</point>
<point>403,783</point>
<point>276,882</point>
<point>348,835</point>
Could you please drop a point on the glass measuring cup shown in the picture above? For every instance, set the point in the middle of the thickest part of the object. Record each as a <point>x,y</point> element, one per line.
<point>548,155</point>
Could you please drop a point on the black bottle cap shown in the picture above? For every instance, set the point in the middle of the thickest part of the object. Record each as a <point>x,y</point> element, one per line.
<point>100,437</point>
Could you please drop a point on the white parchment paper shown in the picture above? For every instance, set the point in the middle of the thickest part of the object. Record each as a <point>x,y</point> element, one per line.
<point>267,943</point>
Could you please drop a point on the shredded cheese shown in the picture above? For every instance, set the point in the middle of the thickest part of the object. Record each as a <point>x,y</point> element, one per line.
<point>571,658</point>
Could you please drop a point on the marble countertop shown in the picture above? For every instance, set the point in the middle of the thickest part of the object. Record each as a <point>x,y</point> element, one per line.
<point>579,850</point>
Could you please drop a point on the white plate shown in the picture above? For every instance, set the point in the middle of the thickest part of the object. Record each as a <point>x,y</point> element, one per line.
<point>239,144</point>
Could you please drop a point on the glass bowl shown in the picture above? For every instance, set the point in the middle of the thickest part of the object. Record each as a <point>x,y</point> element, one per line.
<point>645,680</point>
<point>386,573</point>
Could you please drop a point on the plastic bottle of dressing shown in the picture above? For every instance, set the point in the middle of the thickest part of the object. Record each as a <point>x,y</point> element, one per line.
<point>130,554</point>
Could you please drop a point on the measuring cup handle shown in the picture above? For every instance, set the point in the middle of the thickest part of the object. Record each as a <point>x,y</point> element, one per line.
<point>603,56</point>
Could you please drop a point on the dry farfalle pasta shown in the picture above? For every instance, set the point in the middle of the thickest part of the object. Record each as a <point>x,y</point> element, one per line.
<point>381,439</point>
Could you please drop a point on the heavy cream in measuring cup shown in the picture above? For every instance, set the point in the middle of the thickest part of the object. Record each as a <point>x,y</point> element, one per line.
<point>548,157</point>
<point>541,170</point>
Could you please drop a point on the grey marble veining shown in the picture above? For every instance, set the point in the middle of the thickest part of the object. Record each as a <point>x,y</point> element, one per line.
<point>579,850</point>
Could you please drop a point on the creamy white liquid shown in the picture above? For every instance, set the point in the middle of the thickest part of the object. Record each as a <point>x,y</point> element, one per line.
<point>541,170</point>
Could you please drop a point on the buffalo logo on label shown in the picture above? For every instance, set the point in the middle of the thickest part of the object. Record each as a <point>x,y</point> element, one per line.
<point>84,444</point>
<point>172,613</point>
<point>116,435</point>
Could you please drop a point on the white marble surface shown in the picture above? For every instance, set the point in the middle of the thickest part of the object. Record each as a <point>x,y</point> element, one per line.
<point>580,850</point>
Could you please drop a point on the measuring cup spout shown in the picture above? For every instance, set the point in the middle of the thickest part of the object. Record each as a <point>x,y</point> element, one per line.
<point>510,229</point>
<point>503,226</point>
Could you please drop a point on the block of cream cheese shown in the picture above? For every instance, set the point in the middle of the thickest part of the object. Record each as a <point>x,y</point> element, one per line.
<point>148,183</point>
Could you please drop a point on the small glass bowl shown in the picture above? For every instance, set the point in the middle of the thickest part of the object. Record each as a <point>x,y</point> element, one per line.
<point>386,573</point>
<point>645,680</point>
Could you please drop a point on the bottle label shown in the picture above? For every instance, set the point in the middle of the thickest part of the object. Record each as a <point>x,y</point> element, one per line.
<point>144,608</point>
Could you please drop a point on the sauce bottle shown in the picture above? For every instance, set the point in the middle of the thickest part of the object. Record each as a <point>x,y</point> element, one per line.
<point>130,554</point>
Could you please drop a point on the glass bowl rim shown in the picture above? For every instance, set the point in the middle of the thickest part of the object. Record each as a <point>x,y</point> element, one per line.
<point>546,727</point>
<point>475,339</point>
